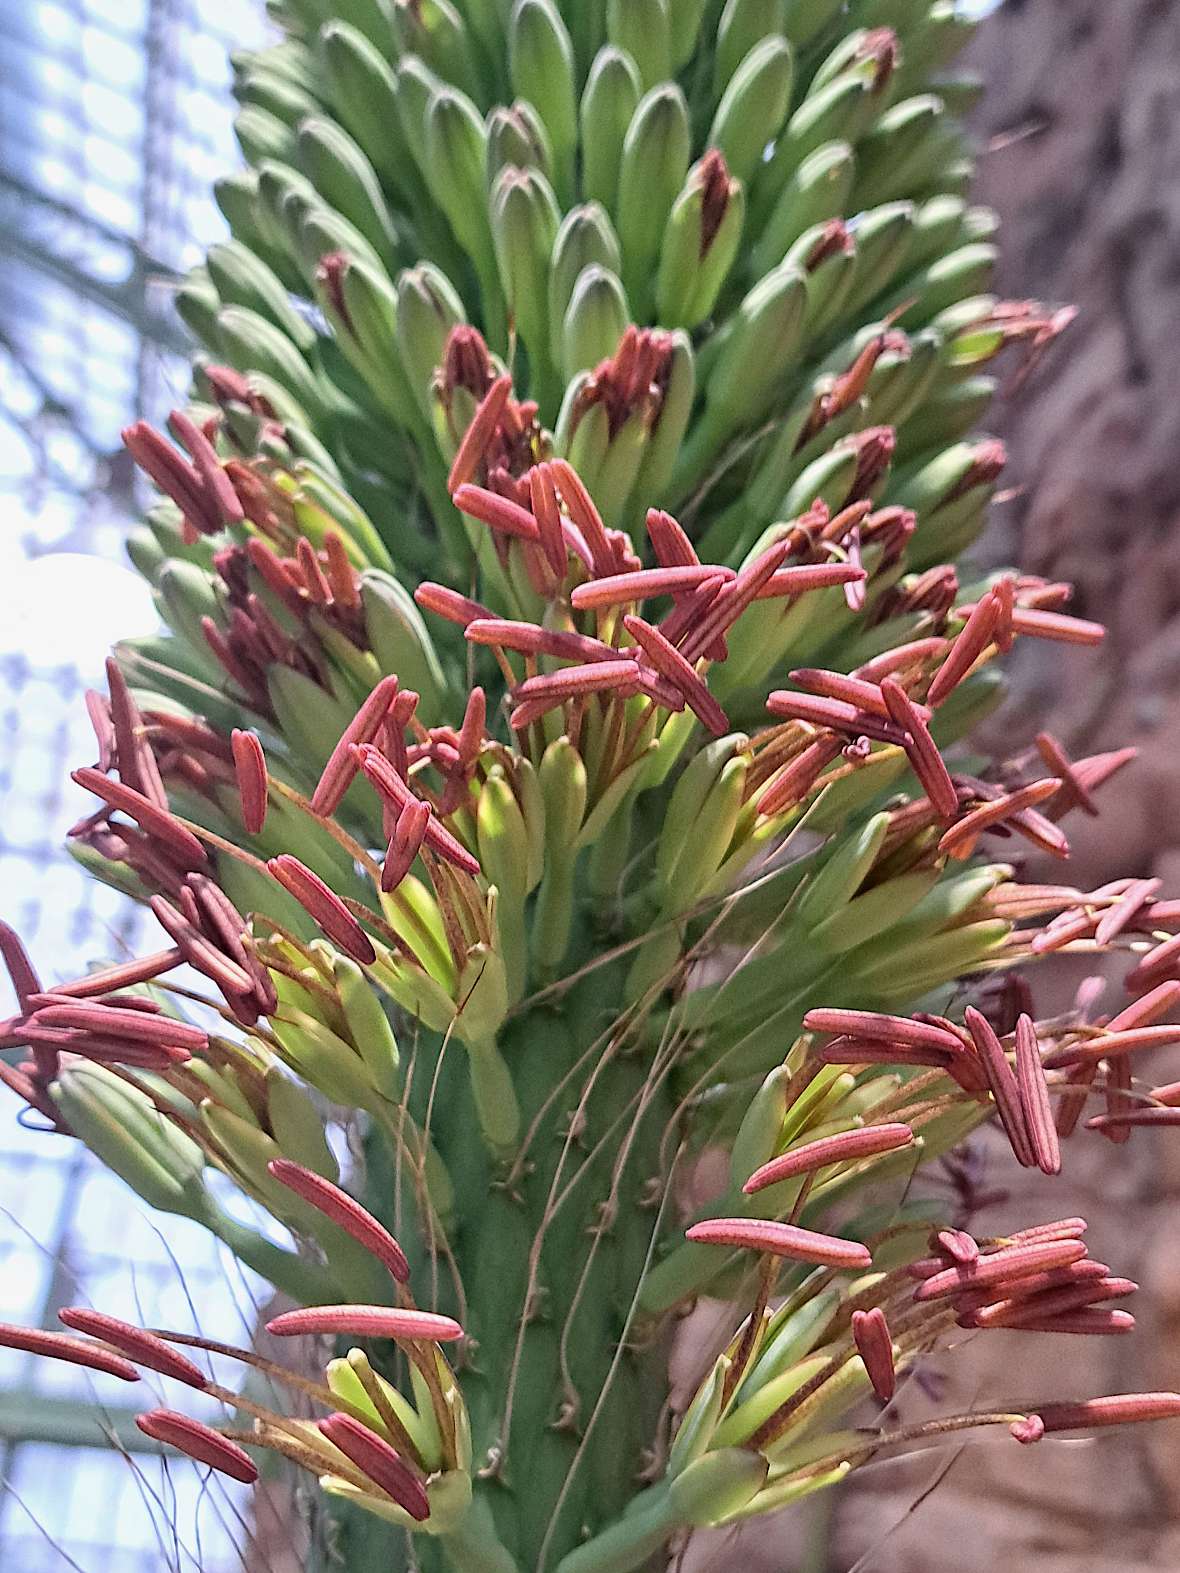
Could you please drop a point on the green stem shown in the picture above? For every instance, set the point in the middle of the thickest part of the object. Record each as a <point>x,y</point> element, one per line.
<point>304,1281</point>
<point>474,1547</point>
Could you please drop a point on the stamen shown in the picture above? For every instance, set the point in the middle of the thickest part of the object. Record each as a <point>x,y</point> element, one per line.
<point>921,749</point>
<point>1086,1322</point>
<point>797,778</point>
<point>253,783</point>
<point>915,654</point>
<point>543,496</point>
<point>444,602</point>
<point>119,1022</point>
<point>74,1351</point>
<point>879,1028</point>
<point>671,545</point>
<point>844,1147</point>
<point>477,436</point>
<point>964,831</point>
<point>344,1211</point>
<point>1001,1268</point>
<point>1089,1051</point>
<point>390,785</point>
<point>17,964</point>
<point>1060,764</point>
<point>833,713</point>
<point>1150,1007</point>
<point>201,952</point>
<point>643,584</point>
<point>498,513</point>
<point>341,768</point>
<point>1035,1307</point>
<point>668,661</point>
<point>581,509</point>
<point>780,1239</point>
<point>215,481</point>
<point>1003,1084</point>
<point>324,905</point>
<point>733,598</point>
<point>137,763</point>
<point>1034,1098</point>
<point>1039,624</point>
<point>1116,1410</point>
<point>376,1459</point>
<point>530,639</point>
<point>851,690</point>
<point>960,1246</point>
<point>200,1442</point>
<point>143,1347</point>
<point>870,1334</point>
<point>977,633</point>
<point>366,1321</point>
<point>1161,960</point>
<point>153,821</point>
<point>798,580</point>
<point>409,832</point>
<point>595,677</point>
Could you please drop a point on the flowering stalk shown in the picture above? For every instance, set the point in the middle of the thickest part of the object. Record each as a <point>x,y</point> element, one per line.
<point>549,770</point>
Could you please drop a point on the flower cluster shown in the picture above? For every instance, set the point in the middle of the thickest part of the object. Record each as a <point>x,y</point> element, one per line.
<point>551,770</point>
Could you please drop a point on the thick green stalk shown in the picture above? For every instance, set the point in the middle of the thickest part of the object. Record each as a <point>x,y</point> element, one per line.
<point>550,1249</point>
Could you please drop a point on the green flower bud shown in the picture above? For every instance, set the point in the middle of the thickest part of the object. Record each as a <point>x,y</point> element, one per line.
<point>654,164</point>
<point>242,279</point>
<point>524,223</point>
<point>126,1132</point>
<point>427,309</point>
<point>700,243</point>
<point>585,237</point>
<point>643,28</point>
<point>345,179</point>
<point>456,158</point>
<point>743,24</point>
<point>542,67</point>
<point>435,31</point>
<point>594,320</point>
<point>197,305</point>
<point>753,106</point>
<point>297,1124</point>
<point>368,1026</point>
<point>251,343</point>
<point>262,135</point>
<point>717,1486</point>
<point>816,191</point>
<point>516,135</point>
<point>609,101</point>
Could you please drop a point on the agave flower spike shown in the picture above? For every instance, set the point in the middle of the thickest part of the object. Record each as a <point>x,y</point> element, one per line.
<point>552,770</point>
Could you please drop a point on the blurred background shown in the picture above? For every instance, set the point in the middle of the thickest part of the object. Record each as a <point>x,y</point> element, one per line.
<point>114,121</point>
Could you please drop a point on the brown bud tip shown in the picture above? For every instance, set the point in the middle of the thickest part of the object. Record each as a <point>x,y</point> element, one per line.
<point>330,273</point>
<point>467,362</point>
<point>717,189</point>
